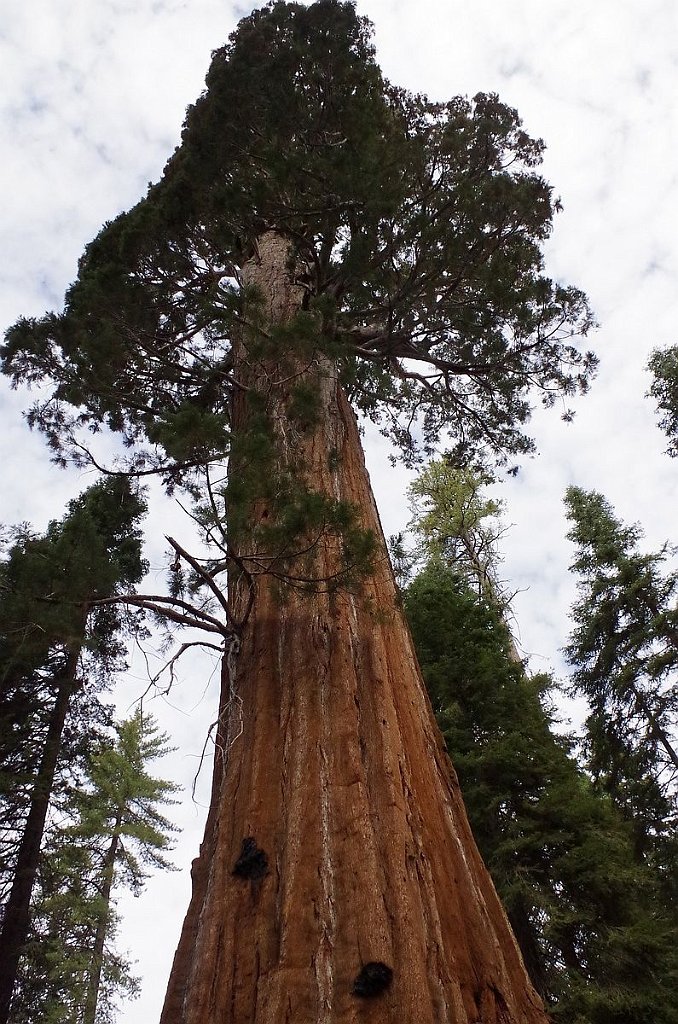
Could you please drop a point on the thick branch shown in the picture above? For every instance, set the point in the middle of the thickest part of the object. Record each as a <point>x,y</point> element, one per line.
<point>164,606</point>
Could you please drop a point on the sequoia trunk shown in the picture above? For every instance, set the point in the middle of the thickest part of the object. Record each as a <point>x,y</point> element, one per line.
<point>337,837</point>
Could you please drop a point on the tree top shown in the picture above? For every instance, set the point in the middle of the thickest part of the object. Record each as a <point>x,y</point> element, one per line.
<point>415,232</point>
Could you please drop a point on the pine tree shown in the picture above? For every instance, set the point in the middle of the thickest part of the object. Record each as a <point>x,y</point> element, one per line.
<point>624,652</point>
<point>320,234</point>
<point>663,365</point>
<point>459,525</point>
<point>71,973</point>
<point>57,649</point>
<point>594,932</point>
<point>123,813</point>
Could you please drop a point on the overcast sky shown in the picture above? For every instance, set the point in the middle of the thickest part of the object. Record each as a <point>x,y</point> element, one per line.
<point>92,96</point>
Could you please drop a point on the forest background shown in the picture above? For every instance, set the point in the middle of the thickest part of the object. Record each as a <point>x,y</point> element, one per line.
<point>92,103</point>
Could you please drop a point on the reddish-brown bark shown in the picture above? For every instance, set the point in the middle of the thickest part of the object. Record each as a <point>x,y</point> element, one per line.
<point>340,776</point>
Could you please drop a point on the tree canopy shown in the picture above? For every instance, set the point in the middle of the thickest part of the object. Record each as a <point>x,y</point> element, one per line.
<point>459,525</point>
<point>48,588</point>
<point>58,646</point>
<point>663,366</point>
<point>416,232</point>
<point>592,921</point>
<point>319,233</point>
<point>110,833</point>
<point>624,652</point>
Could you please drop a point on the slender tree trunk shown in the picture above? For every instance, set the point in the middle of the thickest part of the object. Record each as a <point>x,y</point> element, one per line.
<point>94,979</point>
<point>656,729</point>
<point>525,932</point>
<point>488,590</point>
<point>340,778</point>
<point>16,918</point>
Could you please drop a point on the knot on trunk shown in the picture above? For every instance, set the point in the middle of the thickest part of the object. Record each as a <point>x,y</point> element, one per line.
<point>373,979</point>
<point>252,862</point>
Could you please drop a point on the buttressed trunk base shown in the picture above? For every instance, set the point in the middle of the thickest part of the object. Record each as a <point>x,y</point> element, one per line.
<point>337,849</point>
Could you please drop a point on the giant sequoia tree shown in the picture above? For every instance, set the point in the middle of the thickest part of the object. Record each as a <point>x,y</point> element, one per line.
<point>320,237</point>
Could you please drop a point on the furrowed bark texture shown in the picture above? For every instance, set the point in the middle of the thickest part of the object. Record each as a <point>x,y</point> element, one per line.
<point>341,778</point>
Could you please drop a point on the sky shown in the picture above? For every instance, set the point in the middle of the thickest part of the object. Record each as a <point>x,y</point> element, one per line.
<point>92,97</point>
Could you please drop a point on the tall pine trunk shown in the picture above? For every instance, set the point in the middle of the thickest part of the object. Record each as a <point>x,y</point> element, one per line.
<point>102,926</point>
<point>17,912</point>
<point>334,769</point>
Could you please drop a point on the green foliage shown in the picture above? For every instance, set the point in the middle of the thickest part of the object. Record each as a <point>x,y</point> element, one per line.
<point>53,982</point>
<point>273,519</point>
<point>663,365</point>
<point>124,799</point>
<point>112,833</point>
<point>415,230</point>
<point>304,405</point>
<point>457,524</point>
<point>447,503</point>
<point>289,533</point>
<point>48,585</point>
<point>190,433</point>
<point>596,937</point>
<point>288,344</point>
<point>624,652</point>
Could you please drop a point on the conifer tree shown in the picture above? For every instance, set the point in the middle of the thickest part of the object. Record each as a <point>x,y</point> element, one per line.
<point>459,525</point>
<point>56,650</point>
<point>122,812</point>
<point>320,235</point>
<point>116,833</point>
<point>663,365</point>
<point>624,652</point>
<point>592,922</point>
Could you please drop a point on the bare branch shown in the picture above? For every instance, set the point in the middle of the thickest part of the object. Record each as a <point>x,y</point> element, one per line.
<point>165,606</point>
<point>203,574</point>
